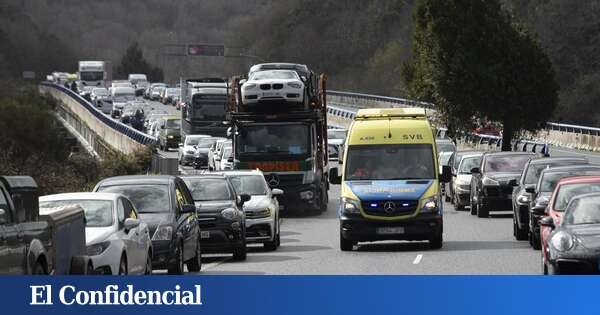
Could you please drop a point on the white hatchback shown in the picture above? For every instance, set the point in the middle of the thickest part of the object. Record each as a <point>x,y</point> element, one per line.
<point>118,243</point>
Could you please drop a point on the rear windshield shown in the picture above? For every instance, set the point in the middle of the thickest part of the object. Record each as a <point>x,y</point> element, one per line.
<point>506,163</point>
<point>98,213</point>
<point>145,198</point>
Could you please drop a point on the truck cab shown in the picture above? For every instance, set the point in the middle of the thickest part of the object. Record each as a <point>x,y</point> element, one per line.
<point>390,179</point>
<point>91,73</point>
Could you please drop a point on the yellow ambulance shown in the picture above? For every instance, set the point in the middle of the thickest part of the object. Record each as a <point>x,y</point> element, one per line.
<point>390,179</point>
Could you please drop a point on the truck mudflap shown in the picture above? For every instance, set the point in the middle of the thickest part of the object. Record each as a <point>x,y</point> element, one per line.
<point>67,230</point>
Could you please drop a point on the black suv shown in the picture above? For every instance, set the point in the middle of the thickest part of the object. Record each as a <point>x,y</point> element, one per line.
<point>490,183</point>
<point>166,205</point>
<point>220,214</point>
<point>521,199</point>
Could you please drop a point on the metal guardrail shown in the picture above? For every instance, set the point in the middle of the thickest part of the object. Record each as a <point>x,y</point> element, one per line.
<point>378,98</point>
<point>573,128</point>
<point>128,131</point>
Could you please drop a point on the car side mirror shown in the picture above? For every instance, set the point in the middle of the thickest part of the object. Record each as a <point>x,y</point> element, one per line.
<point>243,198</point>
<point>446,175</point>
<point>547,221</point>
<point>539,210</point>
<point>131,224</point>
<point>513,182</point>
<point>277,192</point>
<point>530,190</point>
<point>188,209</point>
<point>475,170</point>
<point>334,177</point>
<point>230,159</point>
<point>2,216</point>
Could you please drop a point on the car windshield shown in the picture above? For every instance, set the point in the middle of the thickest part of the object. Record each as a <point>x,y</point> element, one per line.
<point>380,162</point>
<point>585,210</point>
<point>123,98</point>
<point>102,92</point>
<point>173,124</point>
<point>98,213</point>
<point>534,170</point>
<point>208,189</point>
<point>288,139</point>
<point>274,74</point>
<point>445,158</point>
<point>336,134</point>
<point>566,192</point>
<point>146,198</point>
<point>445,147</point>
<point>249,184</point>
<point>190,141</point>
<point>506,163</point>
<point>469,163</point>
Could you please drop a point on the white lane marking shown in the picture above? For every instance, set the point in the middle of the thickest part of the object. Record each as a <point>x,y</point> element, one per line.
<point>212,265</point>
<point>418,259</point>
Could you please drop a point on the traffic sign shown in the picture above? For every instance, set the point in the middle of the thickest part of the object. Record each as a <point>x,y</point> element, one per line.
<point>205,50</point>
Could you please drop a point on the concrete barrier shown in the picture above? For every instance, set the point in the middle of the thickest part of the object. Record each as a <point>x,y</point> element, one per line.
<point>119,137</point>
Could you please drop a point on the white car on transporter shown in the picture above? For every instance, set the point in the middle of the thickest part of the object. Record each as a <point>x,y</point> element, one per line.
<point>118,243</point>
<point>273,85</point>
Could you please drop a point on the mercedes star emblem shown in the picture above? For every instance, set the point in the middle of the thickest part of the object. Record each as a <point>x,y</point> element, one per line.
<point>389,207</point>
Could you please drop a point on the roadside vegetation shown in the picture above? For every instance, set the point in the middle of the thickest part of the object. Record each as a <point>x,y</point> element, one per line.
<point>33,144</point>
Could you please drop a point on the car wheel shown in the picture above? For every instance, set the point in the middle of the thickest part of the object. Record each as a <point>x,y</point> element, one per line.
<point>346,245</point>
<point>148,270</point>
<point>520,234</point>
<point>473,207</point>
<point>544,266</point>
<point>240,253</point>
<point>552,270</point>
<point>38,269</point>
<point>177,267</point>
<point>195,264</point>
<point>324,200</point>
<point>436,242</point>
<point>123,266</point>
<point>483,211</point>
<point>278,236</point>
<point>537,243</point>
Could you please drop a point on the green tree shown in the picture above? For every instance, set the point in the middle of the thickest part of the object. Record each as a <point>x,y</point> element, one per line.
<point>476,65</point>
<point>133,62</point>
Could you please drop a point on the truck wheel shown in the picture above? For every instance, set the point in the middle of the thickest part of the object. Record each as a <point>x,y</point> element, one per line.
<point>177,267</point>
<point>195,264</point>
<point>473,208</point>
<point>483,211</point>
<point>346,245</point>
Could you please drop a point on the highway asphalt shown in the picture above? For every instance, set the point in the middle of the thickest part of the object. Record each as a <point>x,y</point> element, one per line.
<point>310,245</point>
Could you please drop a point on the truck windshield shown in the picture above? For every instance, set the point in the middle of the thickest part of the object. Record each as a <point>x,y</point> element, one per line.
<point>390,162</point>
<point>91,76</point>
<point>208,107</point>
<point>275,139</point>
<point>173,124</point>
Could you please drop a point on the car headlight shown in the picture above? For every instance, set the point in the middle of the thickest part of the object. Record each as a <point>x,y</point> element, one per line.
<point>170,137</point>
<point>231,214</point>
<point>295,85</point>
<point>249,86</point>
<point>350,206</point>
<point>264,213</point>
<point>97,249</point>
<point>562,241</point>
<point>163,233</point>
<point>524,199</point>
<point>490,182</point>
<point>430,204</point>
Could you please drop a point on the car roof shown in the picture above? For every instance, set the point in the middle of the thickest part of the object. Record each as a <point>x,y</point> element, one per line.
<point>204,176</point>
<point>587,195</point>
<point>579,180</point>
<point>507,153</point>
<point>240,172</point>
<point>568,168</point>
<point>443,141</point>
<point>546,160</point>
<point>137,179</point>
<point>81,196</point>
<point>471,155</point>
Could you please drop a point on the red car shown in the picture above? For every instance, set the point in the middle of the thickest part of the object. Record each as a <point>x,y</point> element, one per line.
<point>566,189</point>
